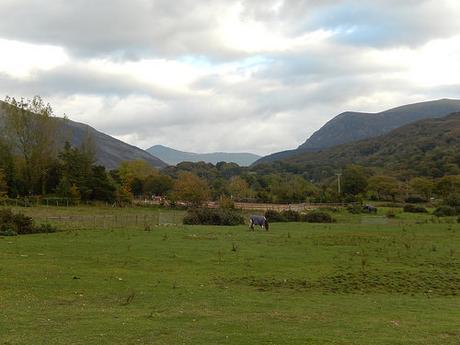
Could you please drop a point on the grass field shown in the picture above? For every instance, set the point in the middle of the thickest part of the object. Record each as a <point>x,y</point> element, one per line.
<point>355,282</point>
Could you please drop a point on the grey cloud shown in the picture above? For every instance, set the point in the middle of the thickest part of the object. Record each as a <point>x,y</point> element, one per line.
<point>139,28</point>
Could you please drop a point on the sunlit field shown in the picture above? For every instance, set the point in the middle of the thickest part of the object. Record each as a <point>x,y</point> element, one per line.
<point>364,280</point>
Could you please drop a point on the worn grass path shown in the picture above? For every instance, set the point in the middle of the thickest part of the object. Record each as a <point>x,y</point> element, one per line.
<point>297,284</point>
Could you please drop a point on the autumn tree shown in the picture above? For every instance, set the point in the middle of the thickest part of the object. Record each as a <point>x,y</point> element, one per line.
<point>190,188</point>
<point>239,188</point>
<point>133,173</point>
<point>422,186</point>
<point>31,129</point>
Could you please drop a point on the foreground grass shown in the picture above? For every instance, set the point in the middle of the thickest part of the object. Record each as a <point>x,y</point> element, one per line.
<point>297,284</point>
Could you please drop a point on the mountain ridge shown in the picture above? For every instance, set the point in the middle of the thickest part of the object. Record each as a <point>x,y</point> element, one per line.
<point>428,147</point>
<point>173,156</point>
<point>351,126</point>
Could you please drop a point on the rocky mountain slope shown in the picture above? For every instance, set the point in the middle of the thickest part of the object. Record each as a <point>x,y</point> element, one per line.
<point>110,152</point>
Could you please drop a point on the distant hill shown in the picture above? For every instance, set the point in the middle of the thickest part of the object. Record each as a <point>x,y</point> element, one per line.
<point>110,152</point>
<point>173,157</point>
<point>353,126</point>
<point>428,147</point>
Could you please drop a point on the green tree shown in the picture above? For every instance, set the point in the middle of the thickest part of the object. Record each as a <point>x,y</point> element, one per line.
<point>76,167</point>
<point>3,185</point>
<point>384,187</point>
<point>354,180</point>
<point>290,188</point>
<point>190,188</point>
<point>159,185</point>
<point>448,185</point>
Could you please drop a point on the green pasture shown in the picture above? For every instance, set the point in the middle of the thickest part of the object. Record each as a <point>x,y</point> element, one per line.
<point>364,280</point>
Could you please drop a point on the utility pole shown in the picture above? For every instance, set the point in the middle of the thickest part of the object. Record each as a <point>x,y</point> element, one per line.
<point>338,183</point>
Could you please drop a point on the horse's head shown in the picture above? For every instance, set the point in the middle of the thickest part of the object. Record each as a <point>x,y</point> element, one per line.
<point>266,225</point>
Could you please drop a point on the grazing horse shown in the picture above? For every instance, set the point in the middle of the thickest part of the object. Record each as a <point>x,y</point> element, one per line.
<point>258,220</point>
<point>370,208</point>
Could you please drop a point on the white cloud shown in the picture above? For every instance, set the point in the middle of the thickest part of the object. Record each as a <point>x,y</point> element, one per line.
<point>21,60</point>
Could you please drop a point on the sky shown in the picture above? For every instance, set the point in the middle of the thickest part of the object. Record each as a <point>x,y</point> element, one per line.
<point>254,76</point>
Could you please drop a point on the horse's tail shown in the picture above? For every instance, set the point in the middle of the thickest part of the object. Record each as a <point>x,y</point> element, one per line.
<point>266,225</point>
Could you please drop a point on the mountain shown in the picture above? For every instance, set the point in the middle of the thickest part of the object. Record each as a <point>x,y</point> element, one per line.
<point>173,157</point>
<point>351,126</point>
<point>428,147</point>
<point>110,152</point>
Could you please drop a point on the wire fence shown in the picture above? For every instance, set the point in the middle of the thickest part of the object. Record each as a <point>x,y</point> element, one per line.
<point>113,221</point>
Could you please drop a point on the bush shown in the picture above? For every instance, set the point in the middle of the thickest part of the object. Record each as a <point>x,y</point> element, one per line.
<point>453,200</point>
<point>392,204</point>
<point>415,199</point>
<point>208,216</point>
<point>318,217</point>
<point>8,232</point>
<point>275,216</point>
<point>414,209</point>
<point>291,216</point>
<point>446,211</point>
<point>355,209</point>
<point>20,224</point>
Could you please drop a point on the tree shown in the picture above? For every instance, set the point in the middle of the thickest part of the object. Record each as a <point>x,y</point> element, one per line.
<point>190,188</point>
<point>290,188</point>
<point>133,173</point>
<point>158,185</point>
<point>422,186</point>
<point>32,130</point>
<point>384,187</point>
<point>239,188</point>
<point>76,167</point>
<point>448,185</point>
<point>3,185</point>
<point>7,167</point>
<point>354,180</point>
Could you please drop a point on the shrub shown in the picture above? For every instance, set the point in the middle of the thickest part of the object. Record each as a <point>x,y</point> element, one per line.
<point>415,199</point>
<point>392,204</point>
<point>291,216</point>
<point>414,209</point>
<point>275,216</point>
<point>355,209</point>
<point>208,216</point>
<point>453,200</point>
<point>20,224</point>
<point>8,232</point>
<point>446,211</point>
<point>318,217</point>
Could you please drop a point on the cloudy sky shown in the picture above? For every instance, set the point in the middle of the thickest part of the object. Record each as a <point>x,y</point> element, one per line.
<point>251,75</point>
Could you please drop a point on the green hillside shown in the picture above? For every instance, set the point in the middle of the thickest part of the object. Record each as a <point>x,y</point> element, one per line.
<point>424,148</point>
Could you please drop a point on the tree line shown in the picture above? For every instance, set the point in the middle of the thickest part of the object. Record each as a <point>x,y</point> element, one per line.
<point>35,160</point>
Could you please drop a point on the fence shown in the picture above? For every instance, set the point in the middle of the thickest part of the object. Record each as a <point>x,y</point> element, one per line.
<point>112,221</point>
